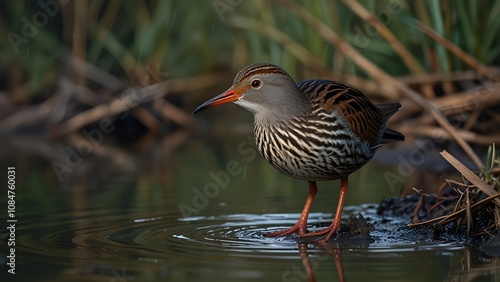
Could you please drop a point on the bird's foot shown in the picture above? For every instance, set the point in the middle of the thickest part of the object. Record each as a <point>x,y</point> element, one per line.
<point>329,231</point>
<point>299,228</point>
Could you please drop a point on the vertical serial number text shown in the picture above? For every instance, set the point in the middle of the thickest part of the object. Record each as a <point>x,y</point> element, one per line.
<point>11,219</point>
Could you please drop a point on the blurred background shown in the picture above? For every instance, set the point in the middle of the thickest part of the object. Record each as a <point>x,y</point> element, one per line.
<point>96,96</point>
<point>121,77</point>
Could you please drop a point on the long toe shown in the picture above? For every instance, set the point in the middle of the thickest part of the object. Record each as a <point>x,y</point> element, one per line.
<point>317,233</point>
<point>298,229</point>
<point>331,231</point>
<point>325,234</point>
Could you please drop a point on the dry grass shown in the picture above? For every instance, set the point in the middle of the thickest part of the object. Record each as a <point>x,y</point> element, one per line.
<point>472,205</point>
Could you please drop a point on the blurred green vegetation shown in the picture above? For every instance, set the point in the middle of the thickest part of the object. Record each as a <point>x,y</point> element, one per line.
<point>181,38</point>
<point>474,26</point>
<point>120,37</point>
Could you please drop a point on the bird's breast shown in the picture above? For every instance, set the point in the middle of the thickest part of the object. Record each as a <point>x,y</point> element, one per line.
<point>312,149</point>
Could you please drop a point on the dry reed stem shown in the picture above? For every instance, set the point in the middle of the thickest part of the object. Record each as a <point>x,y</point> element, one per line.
<point>96,74</point>
<point>343,47</point>
<point>30,115</point>
<point>443,220</point>
<point>462,55</point>
<point>391,84</point>
<point>471,176</point>
<point>79,47</point>
<point>302,54</point>
<point>134,97</point>
<point>468,214</point>
<point>433,78</point>
<point>478,98</point>
<point>438,133</point>
<point>299,51</point>
<point>410,61</point>
<point>418,208</point>
<point>116,106</point>
<point>464,210</point>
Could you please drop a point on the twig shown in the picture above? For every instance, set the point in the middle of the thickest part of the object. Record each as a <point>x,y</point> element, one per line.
<point>30,115</point>
<point>481,69</point>
<point>79,48</point>
<point>458,183</point>
<point>472,177</point>
<point>479,98</point>
<point>299,51</point>
<point>95,73</point>
<point>436,205</point>
<point>447,218</point>
<point>135,97</point>
<point>130,100</point>
<point>468,215</point>
<point>368,17</point>
<point>303,55</point>
<point>392,85</point>
<point>439,133</point>
<point>417,209</point>
<point>171,112</point>
<point>432,78</point>
<point>347,50</point>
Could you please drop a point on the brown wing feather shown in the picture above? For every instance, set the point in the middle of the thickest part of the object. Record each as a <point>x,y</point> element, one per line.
<point>365,119</point>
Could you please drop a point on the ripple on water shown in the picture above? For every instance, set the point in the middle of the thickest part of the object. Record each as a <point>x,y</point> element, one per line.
<point>234,235</point>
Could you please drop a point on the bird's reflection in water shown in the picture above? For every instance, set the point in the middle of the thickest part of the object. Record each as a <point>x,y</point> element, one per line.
<point>304,255</point>
<point>337,256</point>
<point>311,263</point>
<point>354,234</point>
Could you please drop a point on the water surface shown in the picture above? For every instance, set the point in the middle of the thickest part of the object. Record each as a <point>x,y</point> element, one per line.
<point>196,208</point>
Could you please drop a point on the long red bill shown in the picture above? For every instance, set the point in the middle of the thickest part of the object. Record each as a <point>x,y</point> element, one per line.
<point>220,99</point>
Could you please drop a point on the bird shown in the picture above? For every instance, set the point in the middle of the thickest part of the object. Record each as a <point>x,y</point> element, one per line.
<point>316,130</point>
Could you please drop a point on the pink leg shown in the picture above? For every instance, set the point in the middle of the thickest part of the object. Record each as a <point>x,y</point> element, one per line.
<point>301,226</point>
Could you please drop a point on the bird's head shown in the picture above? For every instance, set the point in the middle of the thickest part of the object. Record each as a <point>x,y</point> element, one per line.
<point>262,89</point>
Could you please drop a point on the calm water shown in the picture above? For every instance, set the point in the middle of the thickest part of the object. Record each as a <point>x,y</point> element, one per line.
<point>195,208</point>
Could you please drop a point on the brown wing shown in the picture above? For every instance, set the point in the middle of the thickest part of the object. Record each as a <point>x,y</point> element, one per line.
<point>365,119</point>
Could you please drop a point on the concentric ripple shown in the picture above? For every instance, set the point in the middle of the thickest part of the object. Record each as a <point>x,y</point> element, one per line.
<point>156,235</point>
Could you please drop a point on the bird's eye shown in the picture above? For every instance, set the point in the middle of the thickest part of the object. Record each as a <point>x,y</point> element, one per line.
<point>256,83</point>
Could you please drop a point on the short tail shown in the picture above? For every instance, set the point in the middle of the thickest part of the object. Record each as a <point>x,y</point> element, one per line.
<point>390,135</point>
<point>388,109</point>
